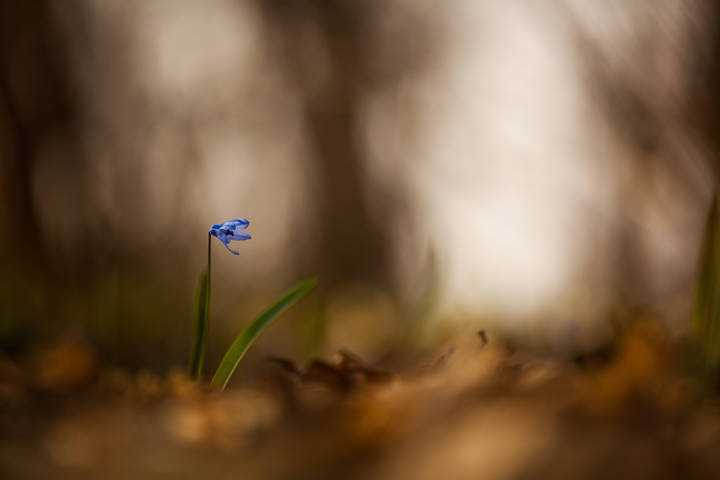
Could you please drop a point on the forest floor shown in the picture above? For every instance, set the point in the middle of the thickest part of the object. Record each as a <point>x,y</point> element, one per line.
<point>476,410</point>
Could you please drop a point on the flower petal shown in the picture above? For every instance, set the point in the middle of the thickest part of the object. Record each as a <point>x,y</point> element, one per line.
<point>227,231</point>
<point>240,236</point>
<point>238,223</point>
<point>230,249</point>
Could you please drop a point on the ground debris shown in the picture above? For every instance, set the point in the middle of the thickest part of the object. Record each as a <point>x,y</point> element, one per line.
<point>482,413</point>
<point>343,373</point>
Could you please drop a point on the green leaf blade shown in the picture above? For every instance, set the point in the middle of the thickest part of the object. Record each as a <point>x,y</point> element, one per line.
<point>202,317</point>
<point>248,336</point>
<point>707,302</point>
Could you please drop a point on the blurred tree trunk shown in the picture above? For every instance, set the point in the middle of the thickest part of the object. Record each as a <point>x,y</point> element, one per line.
<point>35,104</point>
<point>323,49</point>
<point>648,123</point>
<point>704,103</point>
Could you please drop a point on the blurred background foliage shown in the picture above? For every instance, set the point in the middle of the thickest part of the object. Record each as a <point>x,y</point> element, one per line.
<point>539,168</point>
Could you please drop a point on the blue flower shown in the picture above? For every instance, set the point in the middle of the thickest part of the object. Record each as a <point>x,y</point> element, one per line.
<point>230,230</point>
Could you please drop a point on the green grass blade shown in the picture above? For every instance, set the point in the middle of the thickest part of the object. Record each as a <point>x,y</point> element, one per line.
<point>243,342</point>
<point>707,301</point>
<point>202,312</point>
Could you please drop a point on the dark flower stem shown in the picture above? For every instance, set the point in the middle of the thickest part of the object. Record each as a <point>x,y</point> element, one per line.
<point>206,306</point>
<point>207,298</point>
<point>202,320</point>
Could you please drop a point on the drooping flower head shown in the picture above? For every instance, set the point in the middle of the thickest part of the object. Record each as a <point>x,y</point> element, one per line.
<point>230,230</point>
